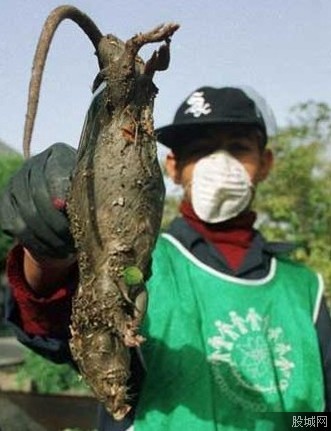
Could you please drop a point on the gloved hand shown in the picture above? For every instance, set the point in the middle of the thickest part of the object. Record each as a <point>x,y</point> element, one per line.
<point>33,204</point>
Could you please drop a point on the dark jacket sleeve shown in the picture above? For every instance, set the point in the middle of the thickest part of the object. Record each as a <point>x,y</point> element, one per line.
<point>54,349</point>
<point>323,326</point>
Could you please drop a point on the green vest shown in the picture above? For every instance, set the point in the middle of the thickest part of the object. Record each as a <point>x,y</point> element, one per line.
<point>222,351</point>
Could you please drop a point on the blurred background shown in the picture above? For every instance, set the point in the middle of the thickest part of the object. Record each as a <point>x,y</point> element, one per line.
<point>282,49</point>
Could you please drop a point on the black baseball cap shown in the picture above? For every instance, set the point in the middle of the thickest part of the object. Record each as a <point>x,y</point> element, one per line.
<point>211,106</point>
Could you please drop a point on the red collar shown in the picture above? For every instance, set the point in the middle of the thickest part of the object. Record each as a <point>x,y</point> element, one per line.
<point>231,238</point>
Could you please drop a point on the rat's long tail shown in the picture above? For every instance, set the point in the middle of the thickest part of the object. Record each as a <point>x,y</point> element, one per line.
<point>53,20</point>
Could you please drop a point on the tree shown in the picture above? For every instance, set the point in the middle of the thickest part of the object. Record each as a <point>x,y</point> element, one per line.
<point>170,210</point>
<point>295,201</point>
<point>9,163</point>
<point>46,377</point>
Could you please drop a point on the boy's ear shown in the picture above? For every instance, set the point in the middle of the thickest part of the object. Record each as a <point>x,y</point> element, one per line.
<point>266,164</point>
<point>172,168</point>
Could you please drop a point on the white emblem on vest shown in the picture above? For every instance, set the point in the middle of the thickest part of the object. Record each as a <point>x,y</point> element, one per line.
<point>244,343</point>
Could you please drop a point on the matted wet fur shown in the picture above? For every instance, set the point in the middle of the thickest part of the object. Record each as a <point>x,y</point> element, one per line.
<point>115,203</point>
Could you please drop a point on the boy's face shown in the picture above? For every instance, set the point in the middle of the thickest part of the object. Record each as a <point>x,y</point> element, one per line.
<point>242,142</point>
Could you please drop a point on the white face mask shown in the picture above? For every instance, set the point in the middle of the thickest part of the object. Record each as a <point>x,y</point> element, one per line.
<point>221,187</point>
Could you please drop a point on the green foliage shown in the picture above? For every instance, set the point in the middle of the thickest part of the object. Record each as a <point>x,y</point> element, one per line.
<point>294,204</point>
<point>295,201</point>
<point>47,377</point>
<point>5,244</point>
<point>170,210</point>
<point>9,163</point>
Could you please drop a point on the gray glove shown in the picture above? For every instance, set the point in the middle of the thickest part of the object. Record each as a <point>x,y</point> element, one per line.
<point>33,204</point>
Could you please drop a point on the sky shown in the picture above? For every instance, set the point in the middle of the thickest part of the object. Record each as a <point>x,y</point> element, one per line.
<point>280,48</point>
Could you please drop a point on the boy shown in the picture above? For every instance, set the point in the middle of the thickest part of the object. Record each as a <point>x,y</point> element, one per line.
<point>233,329</point>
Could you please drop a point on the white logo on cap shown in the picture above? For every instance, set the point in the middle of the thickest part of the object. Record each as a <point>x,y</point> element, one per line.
<point>198,105</point>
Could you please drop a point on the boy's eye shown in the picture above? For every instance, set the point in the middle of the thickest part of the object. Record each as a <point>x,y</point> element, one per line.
<point>238,147</point>
<point>202,152</point>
